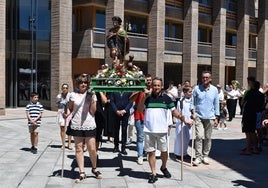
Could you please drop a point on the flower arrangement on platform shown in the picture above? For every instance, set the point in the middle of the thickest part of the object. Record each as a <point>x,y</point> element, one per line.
<point>118,77</point>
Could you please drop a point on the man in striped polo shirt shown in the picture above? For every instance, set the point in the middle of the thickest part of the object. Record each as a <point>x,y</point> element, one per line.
<point>156,105</point>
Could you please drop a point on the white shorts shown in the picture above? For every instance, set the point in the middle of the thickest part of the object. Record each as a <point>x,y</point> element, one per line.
<point>155,141</point>
<point>60,120</point>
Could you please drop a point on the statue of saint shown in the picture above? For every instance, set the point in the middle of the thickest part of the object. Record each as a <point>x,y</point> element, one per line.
<point>117,41</point>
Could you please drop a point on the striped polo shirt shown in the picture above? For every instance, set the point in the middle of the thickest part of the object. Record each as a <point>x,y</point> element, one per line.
<point>34,110</point>
<point>156,110</point>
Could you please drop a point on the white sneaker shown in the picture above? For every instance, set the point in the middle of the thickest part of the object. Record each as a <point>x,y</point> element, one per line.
<point>140,160</point>
<point>129,141</point>
<point>225,128</point>
<point>206,161</point>
<point>197,162</point>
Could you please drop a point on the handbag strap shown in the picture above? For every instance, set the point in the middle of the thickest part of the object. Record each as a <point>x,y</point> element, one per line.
<point>76,110</point>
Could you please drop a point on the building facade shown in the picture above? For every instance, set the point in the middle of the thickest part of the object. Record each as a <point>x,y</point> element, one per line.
<point>49,42</point>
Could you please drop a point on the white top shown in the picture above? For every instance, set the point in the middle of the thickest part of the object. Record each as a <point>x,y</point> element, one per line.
<point>82,119</point>
<point>62,102</point>
<point>221,95</point>
<point>233,94</point>
<point>174,92</point>
<point>186,111</point>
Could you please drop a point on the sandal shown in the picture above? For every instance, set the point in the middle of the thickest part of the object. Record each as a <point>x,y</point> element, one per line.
<point>97,173</point>
<point>81,178</point>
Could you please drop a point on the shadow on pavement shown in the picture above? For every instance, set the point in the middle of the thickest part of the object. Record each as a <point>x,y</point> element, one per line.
<point>253,167</point>
<point>26,149</point>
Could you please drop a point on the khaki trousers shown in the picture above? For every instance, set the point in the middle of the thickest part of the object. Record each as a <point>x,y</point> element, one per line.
<point>203,130</point>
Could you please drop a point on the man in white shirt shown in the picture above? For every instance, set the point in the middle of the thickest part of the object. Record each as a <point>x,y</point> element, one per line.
<point>172,91</point>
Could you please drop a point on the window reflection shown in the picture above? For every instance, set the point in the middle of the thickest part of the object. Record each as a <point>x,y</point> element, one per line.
<point>204,35</point>
<point>173,30</point>
<point>100,19</point>
<point>136,24</point>
<point>30,57</point>
<point>231,6</point>
<point>231,39</point>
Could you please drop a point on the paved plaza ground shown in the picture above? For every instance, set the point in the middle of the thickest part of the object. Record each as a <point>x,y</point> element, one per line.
<point>20,168</point>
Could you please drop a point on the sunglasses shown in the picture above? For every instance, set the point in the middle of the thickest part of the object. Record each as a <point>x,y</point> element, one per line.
<point>83,82</point>
<point>64,87</point>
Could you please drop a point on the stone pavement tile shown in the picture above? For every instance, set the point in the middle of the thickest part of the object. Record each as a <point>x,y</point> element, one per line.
<point>141,184</point>
<point>58,182</point>
<point>111,183</point>
<point>34,182</point>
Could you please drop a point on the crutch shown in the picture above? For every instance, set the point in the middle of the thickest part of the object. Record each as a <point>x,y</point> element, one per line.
<point>181,150</point>
<point>63,151</point>
<point>168,135</point>
<point>192,149</point>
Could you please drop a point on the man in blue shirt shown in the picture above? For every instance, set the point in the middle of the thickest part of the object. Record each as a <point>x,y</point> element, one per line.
<point>204,109</point>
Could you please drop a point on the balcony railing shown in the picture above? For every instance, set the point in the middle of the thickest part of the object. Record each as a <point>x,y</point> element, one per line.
<point>139,42</point>
<point>230,52</point>
<point>252,54</point>
<point>204,49</point>
<point>173,46</point>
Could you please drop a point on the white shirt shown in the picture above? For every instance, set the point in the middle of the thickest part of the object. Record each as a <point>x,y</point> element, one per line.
<point>173,93</point>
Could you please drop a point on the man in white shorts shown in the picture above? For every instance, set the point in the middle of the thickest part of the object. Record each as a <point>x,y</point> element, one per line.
<point>156,105</point>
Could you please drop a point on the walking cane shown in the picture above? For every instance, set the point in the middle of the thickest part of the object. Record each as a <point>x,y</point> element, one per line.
<point>168,135</point>
<point>63,151</point>
<point>181,150</point>
<point>192,149</point>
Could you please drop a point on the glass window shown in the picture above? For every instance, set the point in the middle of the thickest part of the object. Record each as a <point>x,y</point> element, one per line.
<point>231,6</point>
<point>173,30</point>
<point>252,41</point>
<point>136,24</point>
<point>24,14</point>
<point>204,35</point>
<point>231,39</point>
<point>207,3</point>
<point>43,15</point>
<point>166,29</point>
<point>100,19</point>
<point>177,31</point>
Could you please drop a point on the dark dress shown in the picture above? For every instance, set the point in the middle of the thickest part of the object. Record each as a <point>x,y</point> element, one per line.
<point>254,101</point>
<point>109,114</point>
<point>100,118</point>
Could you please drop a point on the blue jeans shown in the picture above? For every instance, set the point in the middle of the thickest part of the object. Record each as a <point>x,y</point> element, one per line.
<point>140,136</point>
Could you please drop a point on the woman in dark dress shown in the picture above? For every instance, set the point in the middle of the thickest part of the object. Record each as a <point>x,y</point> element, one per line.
<point>100,117</point>
<point>253,101</point>
<point>109,126</point>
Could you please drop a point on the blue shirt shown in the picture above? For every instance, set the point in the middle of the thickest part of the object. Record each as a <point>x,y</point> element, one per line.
<point>205,102</point>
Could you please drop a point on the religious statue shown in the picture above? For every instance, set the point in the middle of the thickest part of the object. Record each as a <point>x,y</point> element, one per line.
<point>117,41</point>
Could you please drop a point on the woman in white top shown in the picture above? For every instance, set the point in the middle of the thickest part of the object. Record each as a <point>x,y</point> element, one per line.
<point>82,105</point>
<point>62,102</point>
<point>232,97</point>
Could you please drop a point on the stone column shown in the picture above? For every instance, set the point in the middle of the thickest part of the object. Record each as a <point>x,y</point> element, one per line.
<point>3,56</point>
<point>262,49</point>
<point>190,41</point>
<point>61,47</point>
<point>113,8</point>
<point>156,38</point>
<point>218,42</point>
<point>242,42</point>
